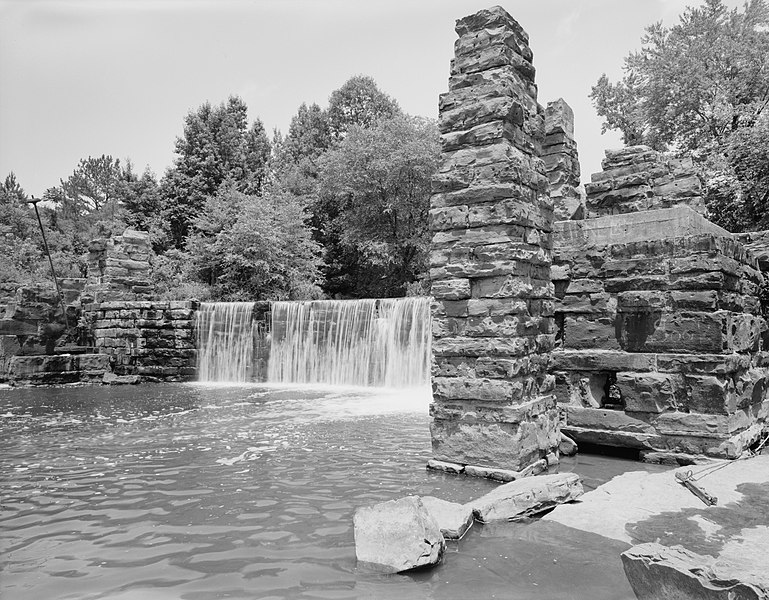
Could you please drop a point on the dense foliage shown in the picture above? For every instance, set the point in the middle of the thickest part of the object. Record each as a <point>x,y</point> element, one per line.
<point>337,206</point>
<point>702,86</point>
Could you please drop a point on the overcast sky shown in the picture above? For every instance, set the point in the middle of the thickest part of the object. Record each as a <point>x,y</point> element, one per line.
<point>83,78</point>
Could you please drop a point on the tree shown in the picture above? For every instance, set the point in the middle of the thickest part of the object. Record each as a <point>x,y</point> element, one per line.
<point>90,190</point>
<point>359,102</point>
<point>295,160</point>
<point>375,194</point>
<point>254,247</point>
<point>217,146</point>
<point>19,237</point>
<point>700,86</point>
<point>693,84</point>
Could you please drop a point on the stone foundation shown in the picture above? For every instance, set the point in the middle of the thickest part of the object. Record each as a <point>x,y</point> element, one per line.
<point>58,369</point>
<point>660,334</point>
<point>153,340</point>
<point>491,218</point>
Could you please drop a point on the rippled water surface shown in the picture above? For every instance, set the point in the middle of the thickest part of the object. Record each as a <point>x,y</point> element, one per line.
<point>185,491</point>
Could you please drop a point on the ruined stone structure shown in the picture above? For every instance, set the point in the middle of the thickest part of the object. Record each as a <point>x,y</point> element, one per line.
<point>32,323</point>
<point>660,332</point>
<point>119,267</point>
<point>559,153</point>
<point>122,337</point>
<point>638,178</point>
<point>147,339</point>
<point>491,218</point>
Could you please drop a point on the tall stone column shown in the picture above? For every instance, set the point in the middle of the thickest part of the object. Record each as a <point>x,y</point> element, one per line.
<point>491,218</point>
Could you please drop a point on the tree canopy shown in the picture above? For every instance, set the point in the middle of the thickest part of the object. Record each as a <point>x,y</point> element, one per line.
<point>216,146</point>
<point>255,247</point>
<point>337,206</point>
<point>375,196</point>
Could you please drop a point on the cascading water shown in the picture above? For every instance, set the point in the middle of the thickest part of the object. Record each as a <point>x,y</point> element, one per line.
<point>225,338</point>
<point>382,342</point>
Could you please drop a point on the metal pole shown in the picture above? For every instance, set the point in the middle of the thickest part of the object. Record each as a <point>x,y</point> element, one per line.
<point>34,202</point>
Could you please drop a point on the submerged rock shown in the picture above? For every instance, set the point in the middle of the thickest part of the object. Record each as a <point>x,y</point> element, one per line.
<point>452,518</point>
<point>396,536</point>
<point>657,572</point>
<point>527,496</point>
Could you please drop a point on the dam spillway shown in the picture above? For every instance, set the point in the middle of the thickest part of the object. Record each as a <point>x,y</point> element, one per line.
<point>375,343</point>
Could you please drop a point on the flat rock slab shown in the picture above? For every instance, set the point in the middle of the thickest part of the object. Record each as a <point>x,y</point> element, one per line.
<point>396,536</point>
<point>657,572</point>
<point>639,495</point>
<point>452,518</point>
<point>527,496</point>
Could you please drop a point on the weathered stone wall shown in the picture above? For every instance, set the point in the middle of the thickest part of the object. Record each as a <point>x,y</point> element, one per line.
<point>33,321</point>
<point>119,267</point>
<point>491,218</point>
<point>152,340</point>
<point>661,337</point>
<point>57,369</point>
<point>559,153</point>
<point>638,178</point>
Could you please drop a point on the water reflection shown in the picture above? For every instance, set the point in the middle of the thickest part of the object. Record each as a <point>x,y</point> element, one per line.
<point>203,492</point>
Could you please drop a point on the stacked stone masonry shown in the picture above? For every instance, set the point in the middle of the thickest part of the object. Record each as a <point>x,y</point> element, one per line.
<point>660,335</point>
<point>32,323</point>
<point>638,178</point>
<point>491,219</point>
<point>119,267</point>
<point>154,340</point>
<point>559,153</point>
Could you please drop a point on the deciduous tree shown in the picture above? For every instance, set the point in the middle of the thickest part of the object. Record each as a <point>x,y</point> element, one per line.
<point>375,194</point>
<point>701,86</point>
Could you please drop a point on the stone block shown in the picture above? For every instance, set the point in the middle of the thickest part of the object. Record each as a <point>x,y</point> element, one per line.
<point>450,289</point>
<point>489,390</point>
<point>613,420</point>
<point>657,572</point>
<point>711,395</point>
<point>509,445</point>
<point>526,497</point>
<point>673,332</point>
<point>602,360</point>
<point>580,332</point>
<point>649,392</point>
<point>397,536</point>
<point>452,518</point>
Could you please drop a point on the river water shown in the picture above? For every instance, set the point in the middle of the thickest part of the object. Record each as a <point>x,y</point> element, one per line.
<point>202,492</point>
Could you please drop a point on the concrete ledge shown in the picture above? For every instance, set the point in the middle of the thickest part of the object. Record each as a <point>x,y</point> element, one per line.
<point>666,223</point>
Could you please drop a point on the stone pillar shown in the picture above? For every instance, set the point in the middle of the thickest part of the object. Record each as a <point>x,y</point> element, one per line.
<point>559,151</point>
<point>491,218</point>
<point>119,268</point>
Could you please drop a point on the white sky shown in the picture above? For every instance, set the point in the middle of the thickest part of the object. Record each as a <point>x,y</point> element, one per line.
<point>83,78</point>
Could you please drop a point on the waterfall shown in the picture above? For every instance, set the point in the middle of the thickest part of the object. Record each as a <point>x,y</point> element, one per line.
<point>225,339</point>
<point>382,342</point>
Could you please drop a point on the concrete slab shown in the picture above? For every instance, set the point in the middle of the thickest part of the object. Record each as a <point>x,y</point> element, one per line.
<point>679,221</point>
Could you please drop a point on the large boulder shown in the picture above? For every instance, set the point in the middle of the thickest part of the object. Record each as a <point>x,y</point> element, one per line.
<point>453,519</point>
<point>657,572</point>
<point>397,535</point>
<point>527,496</point>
